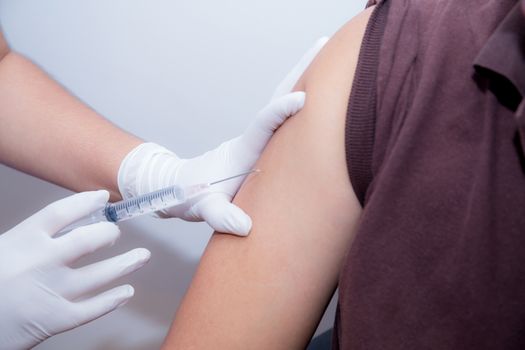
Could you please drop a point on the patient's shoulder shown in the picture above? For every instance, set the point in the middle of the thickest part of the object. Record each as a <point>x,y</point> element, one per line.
<point>328,80</point>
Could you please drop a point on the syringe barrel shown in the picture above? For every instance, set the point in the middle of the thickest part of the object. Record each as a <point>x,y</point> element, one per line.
<point>140,205</point>
<point>145,204</point>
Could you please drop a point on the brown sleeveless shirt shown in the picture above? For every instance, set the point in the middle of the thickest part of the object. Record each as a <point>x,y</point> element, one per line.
<point>434,154</point>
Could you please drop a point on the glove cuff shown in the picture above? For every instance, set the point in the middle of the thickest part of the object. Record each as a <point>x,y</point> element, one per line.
<point>148,167</point>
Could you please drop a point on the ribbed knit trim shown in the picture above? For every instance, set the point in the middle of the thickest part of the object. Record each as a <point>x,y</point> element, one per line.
<point>361,113</point>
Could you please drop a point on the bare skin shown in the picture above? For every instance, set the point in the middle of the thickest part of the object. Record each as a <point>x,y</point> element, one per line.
<point>48,133</point>
<point>269,290</point>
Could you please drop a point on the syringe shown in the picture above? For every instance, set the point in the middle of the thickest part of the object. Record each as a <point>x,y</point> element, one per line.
<point>146,203</point>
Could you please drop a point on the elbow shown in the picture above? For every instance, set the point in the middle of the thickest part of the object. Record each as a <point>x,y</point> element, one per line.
<point>4,54</point>
<point>4,47</point>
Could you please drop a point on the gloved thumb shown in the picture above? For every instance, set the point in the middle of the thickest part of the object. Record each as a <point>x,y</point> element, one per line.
<point>223,216</point>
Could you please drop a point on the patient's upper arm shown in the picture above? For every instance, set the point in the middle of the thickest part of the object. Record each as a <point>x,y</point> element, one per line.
<point>269,290</point>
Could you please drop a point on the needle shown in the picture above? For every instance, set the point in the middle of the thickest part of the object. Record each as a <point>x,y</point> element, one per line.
<point>234,177</point>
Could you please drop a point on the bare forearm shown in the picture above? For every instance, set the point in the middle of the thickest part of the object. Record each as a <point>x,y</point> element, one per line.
<point>48,133</point>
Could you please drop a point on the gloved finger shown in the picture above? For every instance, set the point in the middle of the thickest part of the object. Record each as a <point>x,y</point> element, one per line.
<point>291,79</point>
<point>223,216</point>
<point>62,213</point>
<point>87,239</point>
<point>274,114</point>
<point>93,308</point>
<point>269,119</point>
<point>92,277</point>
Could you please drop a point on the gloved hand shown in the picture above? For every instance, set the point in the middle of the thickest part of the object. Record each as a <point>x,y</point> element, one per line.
<point>40,295</point>
<point>150,167</point>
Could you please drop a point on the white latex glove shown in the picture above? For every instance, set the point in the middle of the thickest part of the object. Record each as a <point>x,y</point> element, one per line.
<point>40,295</point>
<point>150,167</point>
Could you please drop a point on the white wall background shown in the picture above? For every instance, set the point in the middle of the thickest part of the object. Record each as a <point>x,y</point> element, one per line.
<point>185,74</point>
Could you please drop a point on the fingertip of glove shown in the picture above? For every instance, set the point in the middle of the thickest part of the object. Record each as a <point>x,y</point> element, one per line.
<point>291,102</point>
<point>236,223</point>
<point>109,230</point>
<point>297,100</point>
<point>103,195</point>
<point>141,256</point>
<point>109,227</point>
<point>143,253</point>
<point>322,41</point>
<point>126,292</point>
<point>300,96</point>
<point>243,226</point>
<point>100,197</point>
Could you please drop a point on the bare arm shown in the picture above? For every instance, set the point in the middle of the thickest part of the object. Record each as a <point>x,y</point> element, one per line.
<point>48,133</point>
<point>268,291</point>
